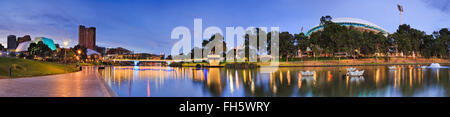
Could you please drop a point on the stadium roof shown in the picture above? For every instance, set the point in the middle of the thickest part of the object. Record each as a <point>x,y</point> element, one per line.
<point>347,21</point>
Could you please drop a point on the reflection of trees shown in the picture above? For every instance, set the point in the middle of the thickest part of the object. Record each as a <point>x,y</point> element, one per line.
<point>444,82</point>
<point>331,82</point>
<point>410,81</point>
<point>327,82</point>
<point>416,80</point>
<point>271,84</point>
<point>214,83</point>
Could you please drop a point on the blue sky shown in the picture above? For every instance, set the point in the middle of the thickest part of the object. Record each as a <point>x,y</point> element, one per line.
<point>145,25</point>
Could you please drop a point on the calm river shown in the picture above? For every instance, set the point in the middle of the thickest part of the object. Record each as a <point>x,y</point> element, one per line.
<point>378,81</point>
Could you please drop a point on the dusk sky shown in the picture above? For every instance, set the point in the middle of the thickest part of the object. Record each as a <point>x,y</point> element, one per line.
<point>145,25</point>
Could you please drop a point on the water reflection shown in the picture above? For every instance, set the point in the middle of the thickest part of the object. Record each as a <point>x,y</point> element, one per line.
<point>378,81</point>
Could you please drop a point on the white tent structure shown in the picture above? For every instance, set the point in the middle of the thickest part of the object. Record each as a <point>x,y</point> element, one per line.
<point>92,52</point>
<point>23,46</point>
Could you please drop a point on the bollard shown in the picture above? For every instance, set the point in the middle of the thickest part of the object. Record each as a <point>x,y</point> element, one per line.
<point>10,71</point>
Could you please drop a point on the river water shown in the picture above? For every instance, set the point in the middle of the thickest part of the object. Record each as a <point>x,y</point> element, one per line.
<point>377,81</point>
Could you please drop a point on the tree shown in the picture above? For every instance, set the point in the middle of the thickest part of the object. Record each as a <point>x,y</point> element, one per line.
<point>39,49</point>
<point>436,44</point>
<point>408,39</point>
<point>325,19</point>
<point>287,47</point>
<point>211,49</point>
<point>82,50</point>
<point>2,48</point>
<point>169,57</point>
<point>427,48</point>
<point>331,39</point>
<point>302,42</point>
<point>256,48</point>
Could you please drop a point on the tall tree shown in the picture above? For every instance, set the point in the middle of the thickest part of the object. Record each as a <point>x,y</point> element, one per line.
<point>408,39</point>
<point>287,48</point>
<point>39,49</point>
<point>211,49</point>
<point>83,50</point>
<point>2,48</point>
<point>441,43</point>
<point>260,44</point>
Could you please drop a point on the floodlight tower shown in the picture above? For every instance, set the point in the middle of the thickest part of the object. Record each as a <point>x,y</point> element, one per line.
<point>400,8</point>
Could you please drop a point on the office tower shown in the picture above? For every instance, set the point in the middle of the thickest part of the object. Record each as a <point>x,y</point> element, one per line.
<point>86,37</point>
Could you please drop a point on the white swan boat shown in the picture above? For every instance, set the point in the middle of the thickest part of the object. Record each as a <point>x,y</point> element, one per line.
<point>356,73</point>
<point>351,69</point>
<point>307,73</point>
<point>392,67</point>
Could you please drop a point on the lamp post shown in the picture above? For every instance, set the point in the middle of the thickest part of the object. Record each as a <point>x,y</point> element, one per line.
<point>65,43</point>
<point>400,9</point>
<point>79,58</point>
<point>79,54</point>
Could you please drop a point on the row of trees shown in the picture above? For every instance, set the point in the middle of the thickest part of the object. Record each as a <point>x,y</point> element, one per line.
<point>335,38</point>
<point>411,41</point>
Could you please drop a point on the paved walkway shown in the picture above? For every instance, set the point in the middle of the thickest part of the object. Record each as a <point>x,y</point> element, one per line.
<point>78,84</point>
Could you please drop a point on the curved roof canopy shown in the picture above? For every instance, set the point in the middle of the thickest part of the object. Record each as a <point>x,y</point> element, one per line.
<point>47,41</point>
<point>350,22</point>
<point>24,45</point>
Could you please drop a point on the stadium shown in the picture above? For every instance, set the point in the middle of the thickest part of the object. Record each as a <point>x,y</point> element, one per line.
<point>359,24</point>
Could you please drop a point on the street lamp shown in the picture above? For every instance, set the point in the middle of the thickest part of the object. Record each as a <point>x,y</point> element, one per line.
<point>65,43</point>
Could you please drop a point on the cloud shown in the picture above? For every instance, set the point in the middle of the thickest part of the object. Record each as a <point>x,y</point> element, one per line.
<point>442,5</point>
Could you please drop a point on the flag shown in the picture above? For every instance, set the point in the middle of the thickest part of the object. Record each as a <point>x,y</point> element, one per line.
<point>400,7</point>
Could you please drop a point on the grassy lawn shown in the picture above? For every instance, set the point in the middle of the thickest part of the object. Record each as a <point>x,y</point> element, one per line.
<point>27,68</point>
<point>194,64</point>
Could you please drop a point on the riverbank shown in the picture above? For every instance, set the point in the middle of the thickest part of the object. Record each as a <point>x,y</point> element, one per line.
<point>29,68</point>
<point>333,63</point>
<point>360,62</point>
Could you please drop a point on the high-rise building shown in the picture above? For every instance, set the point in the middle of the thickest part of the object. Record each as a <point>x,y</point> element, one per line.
<point>86,37</point>
<point>12,42</point>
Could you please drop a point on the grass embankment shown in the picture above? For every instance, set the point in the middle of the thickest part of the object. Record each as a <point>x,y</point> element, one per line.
<point>28,68</point>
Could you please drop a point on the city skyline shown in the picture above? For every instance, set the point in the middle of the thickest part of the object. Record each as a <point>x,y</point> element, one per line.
<point>145,26</point>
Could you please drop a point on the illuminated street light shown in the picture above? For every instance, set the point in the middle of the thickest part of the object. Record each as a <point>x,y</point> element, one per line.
<point>79,52</point>
<point>65,43</point>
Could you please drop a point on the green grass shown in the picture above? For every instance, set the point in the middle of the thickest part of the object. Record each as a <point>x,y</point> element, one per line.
<point>28,68</point>
<point>194,64</point>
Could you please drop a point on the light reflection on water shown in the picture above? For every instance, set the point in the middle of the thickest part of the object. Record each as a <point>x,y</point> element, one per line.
<point>378,81</point>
